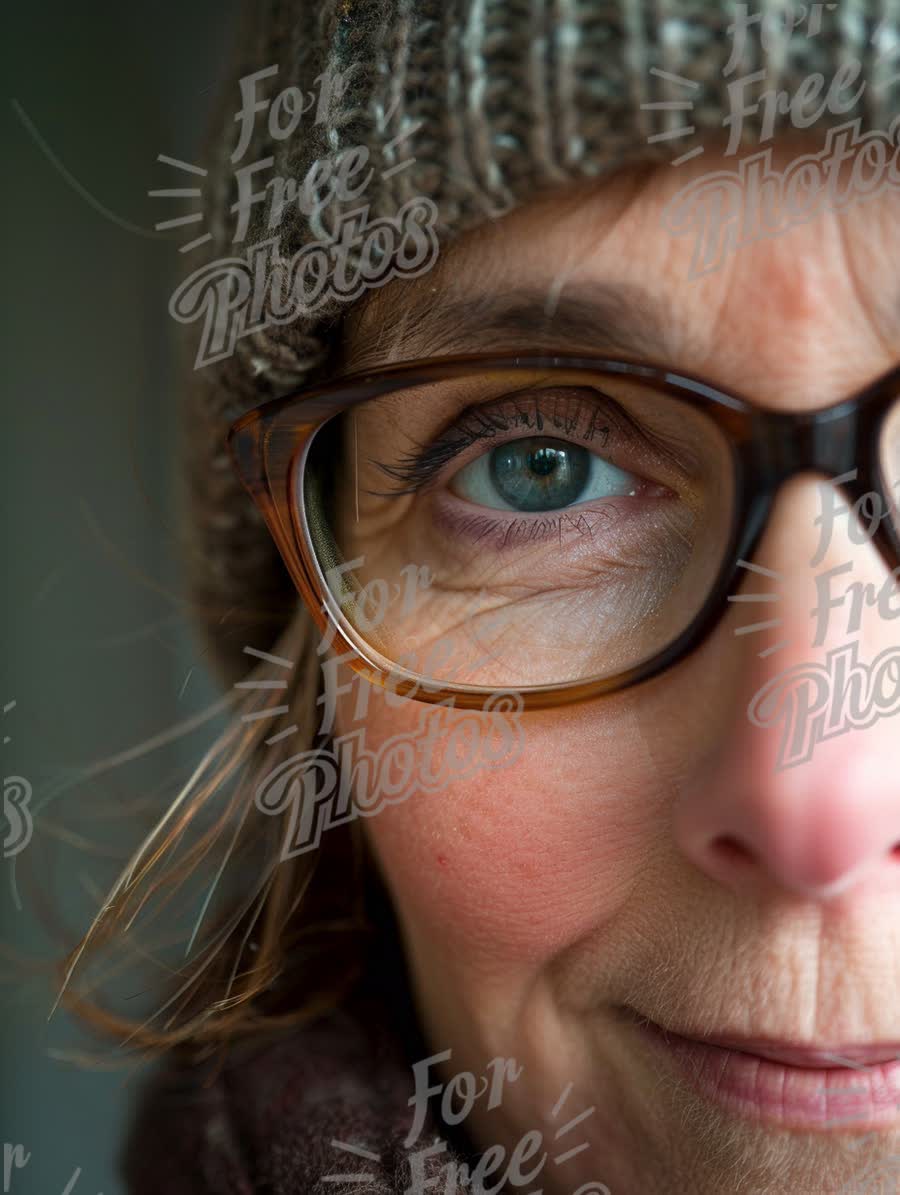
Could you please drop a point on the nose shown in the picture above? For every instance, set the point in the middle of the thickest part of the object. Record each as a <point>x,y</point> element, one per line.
<point>801,790</point>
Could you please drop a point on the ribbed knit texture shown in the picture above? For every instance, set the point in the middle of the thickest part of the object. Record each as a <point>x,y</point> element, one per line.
<point>495,100</point>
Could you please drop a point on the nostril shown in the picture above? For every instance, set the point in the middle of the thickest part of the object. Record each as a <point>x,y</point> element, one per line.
<point>731,851</point>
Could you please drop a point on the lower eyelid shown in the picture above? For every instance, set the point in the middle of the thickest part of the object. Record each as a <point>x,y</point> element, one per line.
<point>468,525</point>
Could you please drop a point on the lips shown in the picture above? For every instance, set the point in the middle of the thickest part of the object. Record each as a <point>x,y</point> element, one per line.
<point>818,1058</point>
<point>840,1087</point>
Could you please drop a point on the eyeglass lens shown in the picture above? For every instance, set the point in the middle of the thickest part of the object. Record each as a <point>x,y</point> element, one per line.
<point>513,529</point>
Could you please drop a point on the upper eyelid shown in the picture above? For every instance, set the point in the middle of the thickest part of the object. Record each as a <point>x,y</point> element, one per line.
<point>416,470</point>
<point>543,392</point>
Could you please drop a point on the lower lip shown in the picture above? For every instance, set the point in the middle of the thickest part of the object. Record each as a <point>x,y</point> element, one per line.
<point>834,1099</point>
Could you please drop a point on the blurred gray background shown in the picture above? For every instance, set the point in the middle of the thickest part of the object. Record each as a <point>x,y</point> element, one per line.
<point>96,654</point>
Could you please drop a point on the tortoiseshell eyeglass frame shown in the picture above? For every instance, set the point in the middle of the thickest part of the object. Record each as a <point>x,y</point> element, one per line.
<point>767,448</point>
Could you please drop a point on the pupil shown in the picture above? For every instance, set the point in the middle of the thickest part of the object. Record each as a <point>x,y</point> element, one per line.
<point>539,473</point>
<point>543,461</point>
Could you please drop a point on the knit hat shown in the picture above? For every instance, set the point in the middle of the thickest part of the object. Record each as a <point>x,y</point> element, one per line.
<point>476,105</point>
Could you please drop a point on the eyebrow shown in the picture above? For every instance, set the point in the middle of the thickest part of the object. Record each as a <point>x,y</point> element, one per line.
<point>591,316</point>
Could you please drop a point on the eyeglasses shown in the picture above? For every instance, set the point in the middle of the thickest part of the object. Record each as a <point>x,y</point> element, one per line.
<point>561,527</point>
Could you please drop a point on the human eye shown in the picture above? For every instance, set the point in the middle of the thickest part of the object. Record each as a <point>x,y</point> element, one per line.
<point>537,464</point>
<point>564,522</point>
<point>541,473</point>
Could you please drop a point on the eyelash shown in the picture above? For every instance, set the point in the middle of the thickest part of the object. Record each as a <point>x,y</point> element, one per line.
<point>481,424</point>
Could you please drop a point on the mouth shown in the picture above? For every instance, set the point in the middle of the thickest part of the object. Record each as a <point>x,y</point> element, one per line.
<point>839,1087</point>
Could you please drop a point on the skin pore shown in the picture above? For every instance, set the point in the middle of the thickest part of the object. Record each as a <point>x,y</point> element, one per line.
<point>644,852</point>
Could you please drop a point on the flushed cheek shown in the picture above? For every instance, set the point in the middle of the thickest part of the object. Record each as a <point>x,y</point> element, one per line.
<point>514,862</point>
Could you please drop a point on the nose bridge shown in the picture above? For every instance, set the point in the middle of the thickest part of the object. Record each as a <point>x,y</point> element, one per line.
<point>799,790</point>
<point>790,443</point>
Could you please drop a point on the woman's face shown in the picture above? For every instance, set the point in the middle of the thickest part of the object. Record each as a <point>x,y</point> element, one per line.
<point>644,861</point>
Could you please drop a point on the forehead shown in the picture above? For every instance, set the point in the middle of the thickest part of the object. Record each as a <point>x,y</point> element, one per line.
<point>668,264</point>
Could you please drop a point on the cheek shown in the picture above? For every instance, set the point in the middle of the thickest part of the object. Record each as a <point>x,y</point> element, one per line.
<point>514,862</point>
